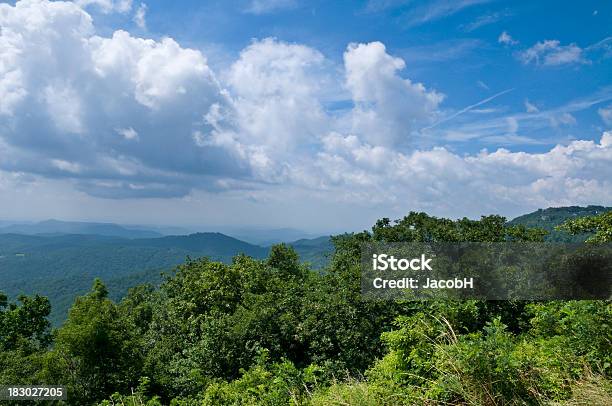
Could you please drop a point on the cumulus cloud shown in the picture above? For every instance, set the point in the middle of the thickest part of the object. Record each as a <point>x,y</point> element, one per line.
<point>491,181</point>
<point>552,53</point>
<point>91,87</point>
<point>387,106</point>
<point>122,117</point>
<point>274,107</point>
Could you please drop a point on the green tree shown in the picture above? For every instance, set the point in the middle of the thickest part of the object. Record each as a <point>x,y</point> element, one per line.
<point>24,337</point>
<point>24,325</point>
<point>95,352</point>
<point>285,259</point>
<point>600,225</point>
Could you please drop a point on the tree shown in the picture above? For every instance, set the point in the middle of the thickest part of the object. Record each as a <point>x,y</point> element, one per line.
<point>284,258</point>
<point>600,225</point>
<point>24,336</point>
<point>95,352</point>
<point>25,325</point>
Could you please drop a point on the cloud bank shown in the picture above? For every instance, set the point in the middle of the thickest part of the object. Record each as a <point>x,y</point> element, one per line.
<point>123,117</point>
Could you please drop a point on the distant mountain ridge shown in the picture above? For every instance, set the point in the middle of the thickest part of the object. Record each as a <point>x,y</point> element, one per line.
<point>252,235</point>
<point>266,236</point>
<point>75,227</point>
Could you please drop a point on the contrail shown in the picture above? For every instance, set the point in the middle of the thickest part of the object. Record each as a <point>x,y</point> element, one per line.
<point>468,108</point>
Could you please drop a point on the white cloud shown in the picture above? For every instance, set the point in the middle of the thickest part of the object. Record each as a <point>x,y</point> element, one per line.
<point>513,125</point>
<point>156,72</point>
<point>562,119</point>
<point>269,6</point>
<point>530,107</point>
<point>63,105</point>
<point>437,9</point>
<point>107,6</point>
<point>66,166</point>
<point>123,117</point>
<point>89,87</point>
<point>506,39</point>
<point>276,109</point>
<point>606,114</point>
<point>485,20</point>
<point>601,49</point>
<point>128,133</point>
<point>387,107</point>
<point>501,181</point>
<point>552,53</point>
<point>140,16</point>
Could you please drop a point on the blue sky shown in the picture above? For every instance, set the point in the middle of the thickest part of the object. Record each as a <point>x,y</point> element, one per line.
<point>451,46</point>
<point>316,115</point>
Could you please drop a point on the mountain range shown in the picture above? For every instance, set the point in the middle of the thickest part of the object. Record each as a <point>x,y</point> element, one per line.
<point>56,227</point>
<point>253,235</point>
<point>60,259</point>
<point>63,266</point>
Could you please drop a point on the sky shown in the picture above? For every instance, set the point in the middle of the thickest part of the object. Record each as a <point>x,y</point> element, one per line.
<point>316,115</point>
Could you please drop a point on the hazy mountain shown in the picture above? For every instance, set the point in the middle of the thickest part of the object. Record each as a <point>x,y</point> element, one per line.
<point>257,236</point>
<point>548,219</point>
<point>163,230</point>
<point>64,266</point>
<point>72,227</point>
<point>211,244</point>
<point>315,251</point>
<point>264,237</point>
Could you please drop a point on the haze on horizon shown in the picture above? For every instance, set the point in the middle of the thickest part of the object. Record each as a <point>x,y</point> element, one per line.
<point>269,114</point>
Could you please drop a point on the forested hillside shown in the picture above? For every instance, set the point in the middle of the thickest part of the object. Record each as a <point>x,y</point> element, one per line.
<point>62,267</point>
<point>274,332</point>
<point>548,219</point>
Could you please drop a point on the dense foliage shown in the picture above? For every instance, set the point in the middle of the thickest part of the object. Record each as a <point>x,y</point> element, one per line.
<point>61,267</point>
<point>275,332</point>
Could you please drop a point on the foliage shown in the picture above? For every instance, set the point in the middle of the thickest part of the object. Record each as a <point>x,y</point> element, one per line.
<point>24,326</point>
<point>24,336</point>
<point>600,226</point>
<point>280,383</point>
<point>95,352</point>
<point>274,331</point>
